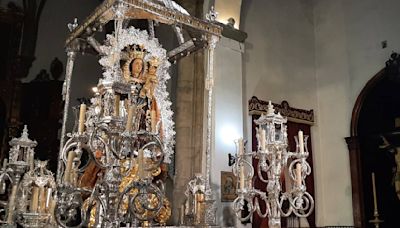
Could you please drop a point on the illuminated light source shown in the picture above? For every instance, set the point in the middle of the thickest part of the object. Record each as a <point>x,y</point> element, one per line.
<point>228,9</point>
<point>228,134</point>
<point>95,90</point>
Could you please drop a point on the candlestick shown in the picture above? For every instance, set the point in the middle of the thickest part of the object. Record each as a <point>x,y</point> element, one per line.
<point>82,113</point>
<point>128,126</point>
<point>31,160</point>
<point>34,199</point>
<point>52,208</point>
<point>68,167</point>
<point>301,141</point>
<point>117,98</point>
<point>374,193</point>
<point>42,200</point>
<point>5,161</point>
<point>298,174</point>
<point>376,221</point>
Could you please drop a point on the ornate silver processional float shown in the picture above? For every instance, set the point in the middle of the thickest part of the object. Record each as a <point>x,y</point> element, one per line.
<point>273,159</point>
<point>111,168</point>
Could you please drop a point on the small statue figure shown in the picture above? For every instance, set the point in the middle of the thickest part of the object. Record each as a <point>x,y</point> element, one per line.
<point>396,170</point>
<point>151,80</point>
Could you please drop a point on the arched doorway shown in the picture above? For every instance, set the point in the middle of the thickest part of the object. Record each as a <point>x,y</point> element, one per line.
<point>375,135</point>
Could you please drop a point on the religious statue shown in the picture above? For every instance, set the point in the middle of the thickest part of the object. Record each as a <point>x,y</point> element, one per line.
<point>396,170</point>
<point>134,65</point>
<point>142,72</point>
<point>151,79</point>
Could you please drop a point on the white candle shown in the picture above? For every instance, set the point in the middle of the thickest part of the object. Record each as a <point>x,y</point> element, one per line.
<point>241,147</point>
<point>298,174</point>
<point>48,197</point>
<point>11,206</point>
<point>374,193</point>
<point>241,177</point>
<point>141,173</point>
<point>52,208</point>
<point>31,161</point>
<point>182,214</point>
<point>34,199</point>
<point>117,98</point>
<point>5,161</point>
<point>153,119</point>
<point>128,126</point>
<point>241,152</point>
<point>263,137</point>
<point>68,167</point>
<point>301,141</point>
<point>82,113</point>
<point>42,199</point>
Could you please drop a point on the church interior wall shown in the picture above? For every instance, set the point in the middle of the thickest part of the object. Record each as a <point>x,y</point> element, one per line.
<point>228,117</point>
<point>334,114</point>
<point>348,53</point>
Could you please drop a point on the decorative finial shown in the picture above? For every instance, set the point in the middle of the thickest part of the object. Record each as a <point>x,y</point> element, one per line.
<point>41,164</point>
<point>120,9</point>
<point>212,14</point>
<point>270,110</point>
<point>25,132</point>
<point>72,26</point>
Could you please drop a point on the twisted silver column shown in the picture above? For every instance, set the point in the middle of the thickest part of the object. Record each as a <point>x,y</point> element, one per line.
<point>71,54</point>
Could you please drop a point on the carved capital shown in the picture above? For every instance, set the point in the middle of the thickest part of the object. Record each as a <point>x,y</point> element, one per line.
<point>212,41</point>
<point>352,143</point>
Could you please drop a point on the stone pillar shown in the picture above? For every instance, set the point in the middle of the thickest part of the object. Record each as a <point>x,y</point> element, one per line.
<point>188,125</point>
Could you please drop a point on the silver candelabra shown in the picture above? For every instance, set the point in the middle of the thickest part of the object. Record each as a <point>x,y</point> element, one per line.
<point>272,161</point>
<point>110,167</point>
<point>30,201</point>
<point>113,185</point>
